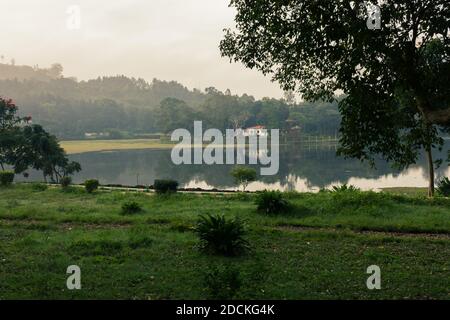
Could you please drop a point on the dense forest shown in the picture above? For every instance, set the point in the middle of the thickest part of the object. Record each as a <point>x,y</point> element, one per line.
<point>124,107</point>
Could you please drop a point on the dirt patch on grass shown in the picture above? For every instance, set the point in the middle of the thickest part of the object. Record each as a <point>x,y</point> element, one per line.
<point>62,225</point>
<point>423,235</point>
<point>93,226</point>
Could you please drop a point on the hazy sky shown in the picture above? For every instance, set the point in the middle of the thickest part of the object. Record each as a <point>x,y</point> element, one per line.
<point>164,39</point>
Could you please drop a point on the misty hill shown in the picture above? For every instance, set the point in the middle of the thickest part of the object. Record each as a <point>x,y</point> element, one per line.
<point>122,106</point>
<point>12,72</point>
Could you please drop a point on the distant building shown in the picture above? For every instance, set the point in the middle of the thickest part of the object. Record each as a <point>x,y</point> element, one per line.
<point>96,134</point>
<point>255,131</point>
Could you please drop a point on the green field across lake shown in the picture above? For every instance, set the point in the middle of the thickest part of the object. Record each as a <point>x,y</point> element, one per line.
<point>81,146</point>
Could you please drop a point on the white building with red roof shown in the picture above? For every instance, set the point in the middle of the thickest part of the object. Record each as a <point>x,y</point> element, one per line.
<point>255,131</point>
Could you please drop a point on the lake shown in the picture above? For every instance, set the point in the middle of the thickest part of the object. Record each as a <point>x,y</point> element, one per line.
<point>302,168</point>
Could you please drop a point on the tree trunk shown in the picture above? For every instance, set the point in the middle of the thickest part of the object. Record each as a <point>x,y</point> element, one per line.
<point>431,171</point>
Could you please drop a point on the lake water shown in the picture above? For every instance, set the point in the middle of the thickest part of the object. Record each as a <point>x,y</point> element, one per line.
<point>302,168</point>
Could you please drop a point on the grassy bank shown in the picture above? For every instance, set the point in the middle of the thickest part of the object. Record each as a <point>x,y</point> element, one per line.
<point>81,146</point>
<point>320,250</point>
<point>420,192</point>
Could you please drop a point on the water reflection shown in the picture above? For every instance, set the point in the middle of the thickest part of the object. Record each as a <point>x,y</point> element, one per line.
<point>301,168</point>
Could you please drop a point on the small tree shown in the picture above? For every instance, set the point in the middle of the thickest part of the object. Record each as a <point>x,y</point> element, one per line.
<point>243,176</point>
<point>23,146</point>
<point>41,151</point>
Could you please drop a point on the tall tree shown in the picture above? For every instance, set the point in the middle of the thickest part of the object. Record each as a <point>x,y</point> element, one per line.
<point>395,78</point>
<point>9,130</point>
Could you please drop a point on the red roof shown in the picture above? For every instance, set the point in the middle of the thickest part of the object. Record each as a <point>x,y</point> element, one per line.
<point>256,127</point>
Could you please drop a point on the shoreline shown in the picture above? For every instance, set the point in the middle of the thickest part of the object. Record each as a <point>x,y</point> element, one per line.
<point>415,191</point>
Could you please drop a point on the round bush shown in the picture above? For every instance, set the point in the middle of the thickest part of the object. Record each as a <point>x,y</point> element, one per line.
<point>271,202</point>
<point>165,186</point>
<point>39,187</point>
<point>65,182</point>
<point>91,185</point>
<point>131,207</point>
<point>6,178</point>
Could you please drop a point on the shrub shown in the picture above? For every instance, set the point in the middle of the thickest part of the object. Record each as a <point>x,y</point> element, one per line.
<point>165,186</point>
<point>6,178</point>
<point>444,187</point>
<point>243,176</point>
<point>65,182</point>
<point>222,282</point>
<point>91,185</point>
<point>271,202</point>
<point>131,207</point>
<point>344,188</point>
<point>39,187</point>
<point>219,235</point>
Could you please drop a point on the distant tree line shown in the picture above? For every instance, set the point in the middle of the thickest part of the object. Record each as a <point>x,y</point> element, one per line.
<point>120,105</point>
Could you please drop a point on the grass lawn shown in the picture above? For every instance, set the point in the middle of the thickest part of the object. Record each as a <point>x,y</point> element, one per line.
<point>321,250</point>
<point>407,191</point>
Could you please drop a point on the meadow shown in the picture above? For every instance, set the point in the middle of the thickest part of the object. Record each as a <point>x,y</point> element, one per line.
<point>319,250</point>
<point>81,146</point>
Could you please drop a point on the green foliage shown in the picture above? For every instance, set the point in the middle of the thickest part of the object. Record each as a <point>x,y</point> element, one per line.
<point>91,185</point>
<point>131,207</point>
<point>243,175</point>
<point>272,202</point>
<point>39,187</point>
<point>10,131</point>
<point>165,186</point>
<point>444,187</point>
<point>344,188</point>
<point>397,96</point>
<point>219,235</point>
<point>26,146</point>
<point>41,151</point>
<point>114,105</point>
<point>6,178</point>
<point>222,282</point>
<point>65,181</point>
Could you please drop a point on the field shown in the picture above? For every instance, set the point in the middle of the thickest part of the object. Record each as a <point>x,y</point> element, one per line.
<point>320,250</point>
<point>81,146</point>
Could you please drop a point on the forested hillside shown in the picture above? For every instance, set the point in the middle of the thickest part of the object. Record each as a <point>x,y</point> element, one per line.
<point>123,106</point>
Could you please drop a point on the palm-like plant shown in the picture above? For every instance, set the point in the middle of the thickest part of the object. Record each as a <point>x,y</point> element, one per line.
<point>219,235</point>
<point>444,187</point>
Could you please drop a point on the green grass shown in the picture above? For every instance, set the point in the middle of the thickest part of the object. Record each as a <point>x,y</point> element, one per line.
<point>320,250</point>
<point>82,146</point>
<point>407,191</point>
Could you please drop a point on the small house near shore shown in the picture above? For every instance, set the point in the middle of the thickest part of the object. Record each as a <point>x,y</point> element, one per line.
<point>255,131</point>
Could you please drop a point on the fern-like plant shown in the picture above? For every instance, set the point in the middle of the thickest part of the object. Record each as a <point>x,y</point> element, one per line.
<point>443,188</point>
<point>344,188</point>
<point>221,235</point>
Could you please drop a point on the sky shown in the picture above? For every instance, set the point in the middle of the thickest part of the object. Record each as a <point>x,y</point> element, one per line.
<point>165,39</point>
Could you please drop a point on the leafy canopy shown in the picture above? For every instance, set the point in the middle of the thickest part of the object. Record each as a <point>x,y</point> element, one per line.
<point>395,79</point>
